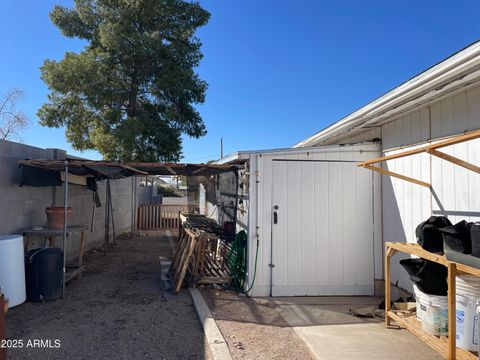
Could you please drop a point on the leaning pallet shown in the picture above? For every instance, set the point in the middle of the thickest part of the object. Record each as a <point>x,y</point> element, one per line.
<point>182,257</point>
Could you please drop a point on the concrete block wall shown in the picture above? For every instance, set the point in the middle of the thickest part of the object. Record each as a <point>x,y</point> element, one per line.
<point>20,207</point>
<point>81,201</point>
<point>24,207</point>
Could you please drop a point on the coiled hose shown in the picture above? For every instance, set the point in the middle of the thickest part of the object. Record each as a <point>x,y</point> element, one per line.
<point>237,262</point>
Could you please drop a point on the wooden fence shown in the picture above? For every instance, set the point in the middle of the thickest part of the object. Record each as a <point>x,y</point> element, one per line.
<point>159,216</point>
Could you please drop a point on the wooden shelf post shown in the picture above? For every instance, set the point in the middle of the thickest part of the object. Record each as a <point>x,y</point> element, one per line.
<point>452,321</point>
<point>389,253</point>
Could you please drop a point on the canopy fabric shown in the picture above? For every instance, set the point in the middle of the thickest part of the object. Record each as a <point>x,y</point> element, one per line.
<point>115,170</point>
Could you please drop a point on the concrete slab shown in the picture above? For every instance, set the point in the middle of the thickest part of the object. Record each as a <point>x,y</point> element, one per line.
<point>330,332</point>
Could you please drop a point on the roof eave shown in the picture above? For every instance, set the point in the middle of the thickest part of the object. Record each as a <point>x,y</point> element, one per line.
<point>454,66</point>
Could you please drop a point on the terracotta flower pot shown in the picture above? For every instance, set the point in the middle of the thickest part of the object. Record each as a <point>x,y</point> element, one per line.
<point>55,217</point>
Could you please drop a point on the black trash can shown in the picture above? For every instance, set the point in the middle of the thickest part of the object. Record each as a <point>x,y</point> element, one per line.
<point>44,274</point>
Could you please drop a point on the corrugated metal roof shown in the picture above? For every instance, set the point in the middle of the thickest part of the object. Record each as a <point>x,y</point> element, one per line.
<point>116,170</point>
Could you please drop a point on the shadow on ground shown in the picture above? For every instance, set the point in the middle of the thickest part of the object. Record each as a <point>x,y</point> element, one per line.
<point>118,310</point>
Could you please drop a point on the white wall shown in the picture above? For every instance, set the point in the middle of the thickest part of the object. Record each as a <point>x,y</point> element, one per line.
<point>260,204</point>
<point>456,191</point>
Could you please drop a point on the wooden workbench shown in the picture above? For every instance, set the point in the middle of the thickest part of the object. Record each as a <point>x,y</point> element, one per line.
<point>446,346</point>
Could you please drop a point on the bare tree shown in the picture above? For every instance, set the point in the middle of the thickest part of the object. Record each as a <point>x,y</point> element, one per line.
<point>11,119</point>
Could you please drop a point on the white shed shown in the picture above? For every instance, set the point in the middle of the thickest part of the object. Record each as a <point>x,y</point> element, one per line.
<point>315,217</point>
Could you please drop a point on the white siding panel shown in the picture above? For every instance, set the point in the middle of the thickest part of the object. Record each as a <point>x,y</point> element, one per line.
<point>473,108</point>
<point>405,205</point>
<point>349,192</point>
<point>335,231</point>
<point>456,191</point>
<point>474,180</point>
<point>307,234</point>
<point>280,257</point>
<point>410,129</point>
<point>322,224</point>
<point>294,230</point>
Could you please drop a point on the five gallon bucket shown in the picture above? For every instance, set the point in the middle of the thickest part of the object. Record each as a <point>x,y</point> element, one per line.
<point>468,294</point>
<point>432,311</point>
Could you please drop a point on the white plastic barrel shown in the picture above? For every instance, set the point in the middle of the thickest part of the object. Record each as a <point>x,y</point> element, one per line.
<point>12,269</point>
<point>468,294</point>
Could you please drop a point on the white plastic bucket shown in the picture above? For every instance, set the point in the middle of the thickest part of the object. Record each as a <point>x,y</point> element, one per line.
<point>432,311</point>
<point>468,295</point>
<point>12,269</point>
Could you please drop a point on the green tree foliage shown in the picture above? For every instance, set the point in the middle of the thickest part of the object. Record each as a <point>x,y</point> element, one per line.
<point>130,94</point>
<point>166,191</point>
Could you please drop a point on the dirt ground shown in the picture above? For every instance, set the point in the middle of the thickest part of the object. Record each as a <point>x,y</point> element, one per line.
<point>253,329</point>
<point>118,310</point>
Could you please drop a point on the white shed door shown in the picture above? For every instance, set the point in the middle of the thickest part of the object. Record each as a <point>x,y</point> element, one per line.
<point>322,229</point>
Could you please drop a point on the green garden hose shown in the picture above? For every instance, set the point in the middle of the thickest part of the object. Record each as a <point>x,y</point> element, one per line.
<point>237,262</point>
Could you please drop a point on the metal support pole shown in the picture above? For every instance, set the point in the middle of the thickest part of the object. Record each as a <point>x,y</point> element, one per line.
<point>111,212</point>
<point>65,209</point>
<point>133,206</point>
<point>107,218</point>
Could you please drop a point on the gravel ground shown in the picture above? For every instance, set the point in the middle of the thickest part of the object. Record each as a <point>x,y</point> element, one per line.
<point>118,310</point>
<point>254,329</point>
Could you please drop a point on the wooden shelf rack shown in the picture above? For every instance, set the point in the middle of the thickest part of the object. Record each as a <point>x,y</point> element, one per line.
<point>446,346</point>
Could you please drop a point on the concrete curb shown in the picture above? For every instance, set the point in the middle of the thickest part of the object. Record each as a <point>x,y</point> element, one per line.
<point>215,339</point>
<point>171,240</point>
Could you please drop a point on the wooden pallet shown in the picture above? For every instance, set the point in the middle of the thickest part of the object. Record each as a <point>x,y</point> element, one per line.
<point>200,258</point>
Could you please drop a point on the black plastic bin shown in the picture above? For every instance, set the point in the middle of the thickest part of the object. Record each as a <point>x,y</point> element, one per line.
<point>430,277</point>
<point>457,237</point>
<point>44,274</point>
<point>429,235</point>
<point>475,237</point>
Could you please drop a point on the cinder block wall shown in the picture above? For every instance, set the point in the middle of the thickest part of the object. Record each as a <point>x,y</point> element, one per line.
<point>24,207</point>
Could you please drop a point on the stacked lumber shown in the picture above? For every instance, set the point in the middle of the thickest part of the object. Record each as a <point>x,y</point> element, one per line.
<point>200,257</point>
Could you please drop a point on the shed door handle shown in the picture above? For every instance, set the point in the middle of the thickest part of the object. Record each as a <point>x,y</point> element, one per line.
<point>275,217</point>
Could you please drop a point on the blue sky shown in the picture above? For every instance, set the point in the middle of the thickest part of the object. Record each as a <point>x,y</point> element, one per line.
<point>278,70</point>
